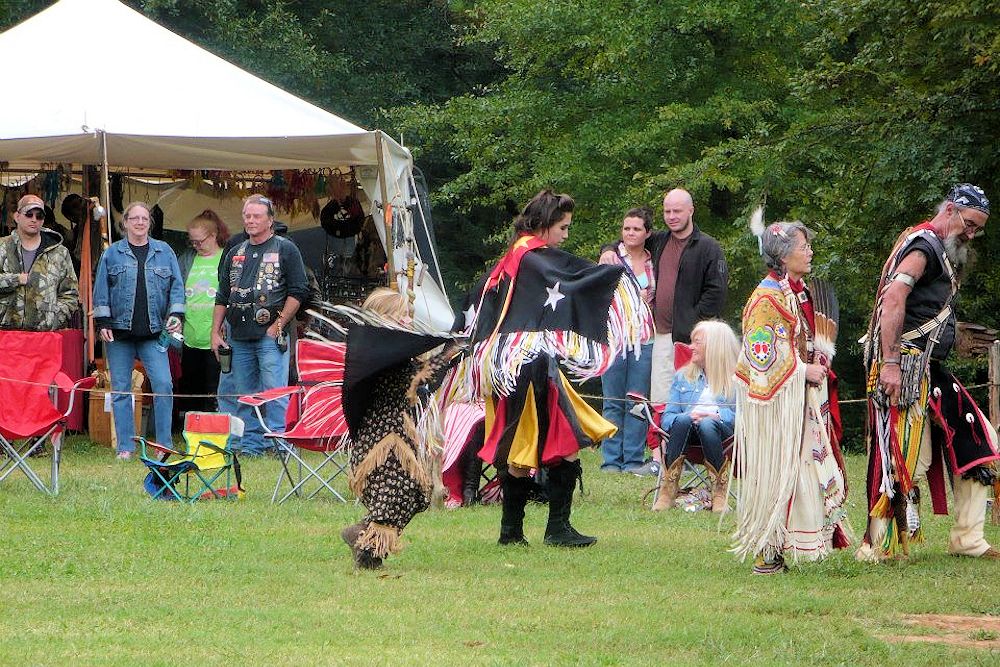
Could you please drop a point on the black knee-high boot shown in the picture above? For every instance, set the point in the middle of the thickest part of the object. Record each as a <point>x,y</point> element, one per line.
<point>562,482</point>
<point>472,469</point>
<point>515,497</point>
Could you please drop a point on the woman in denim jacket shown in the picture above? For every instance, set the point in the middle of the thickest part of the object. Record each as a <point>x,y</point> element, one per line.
<point>138,293</point>
<point>702,409</point>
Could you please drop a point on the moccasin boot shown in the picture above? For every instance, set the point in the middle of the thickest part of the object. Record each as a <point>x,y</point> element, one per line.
<point>362,558</point>
<point>472,470</point>
<point>515,496</point>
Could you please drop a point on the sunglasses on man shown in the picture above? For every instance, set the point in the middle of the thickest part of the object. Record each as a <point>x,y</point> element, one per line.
<point>36,213</point>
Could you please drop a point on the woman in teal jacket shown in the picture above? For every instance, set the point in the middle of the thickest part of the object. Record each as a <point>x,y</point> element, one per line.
<point>701,409</point>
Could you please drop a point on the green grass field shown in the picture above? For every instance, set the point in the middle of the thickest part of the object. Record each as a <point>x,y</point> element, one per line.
<point>101,574</point>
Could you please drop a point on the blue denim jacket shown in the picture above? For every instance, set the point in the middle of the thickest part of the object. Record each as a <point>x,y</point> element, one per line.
<point>684,395</point>
<point>114,286</point>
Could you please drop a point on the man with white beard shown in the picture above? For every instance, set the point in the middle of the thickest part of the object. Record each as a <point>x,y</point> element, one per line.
<point>920,417</point>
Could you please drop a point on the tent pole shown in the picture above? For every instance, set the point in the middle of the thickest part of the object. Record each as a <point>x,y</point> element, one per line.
<point>105,184</point>
<point>386,209</point>
<point>427,231</point>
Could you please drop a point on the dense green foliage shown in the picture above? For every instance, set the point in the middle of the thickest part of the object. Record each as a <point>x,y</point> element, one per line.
<point>852,115</point>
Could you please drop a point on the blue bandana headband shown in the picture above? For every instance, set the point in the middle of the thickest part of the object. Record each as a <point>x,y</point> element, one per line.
<point>968,195</point>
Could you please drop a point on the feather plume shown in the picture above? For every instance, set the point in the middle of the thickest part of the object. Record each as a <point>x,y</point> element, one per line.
<point>827,311</point>
<point>757,221</point>
<point>757,226</point>
<point>351,315</point>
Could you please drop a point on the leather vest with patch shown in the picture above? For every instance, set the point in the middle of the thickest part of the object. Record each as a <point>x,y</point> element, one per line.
<point>265,296</point>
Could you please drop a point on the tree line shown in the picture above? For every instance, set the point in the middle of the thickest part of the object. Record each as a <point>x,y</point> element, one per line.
<point>853,116</point>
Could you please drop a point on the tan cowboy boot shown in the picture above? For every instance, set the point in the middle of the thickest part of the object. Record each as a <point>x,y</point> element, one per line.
<point>669,485</point>
<point>720,486</point>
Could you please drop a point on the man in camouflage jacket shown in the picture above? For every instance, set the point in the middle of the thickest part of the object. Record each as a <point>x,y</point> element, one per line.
<point>38,286</point>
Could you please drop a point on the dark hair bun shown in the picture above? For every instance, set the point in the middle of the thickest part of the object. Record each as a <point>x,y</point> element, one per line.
<point>543,211</point>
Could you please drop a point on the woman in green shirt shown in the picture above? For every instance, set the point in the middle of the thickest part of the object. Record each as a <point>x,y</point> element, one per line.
<point>207,235</point>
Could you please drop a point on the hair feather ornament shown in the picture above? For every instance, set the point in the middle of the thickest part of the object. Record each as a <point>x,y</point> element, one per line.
<point>757,226</point>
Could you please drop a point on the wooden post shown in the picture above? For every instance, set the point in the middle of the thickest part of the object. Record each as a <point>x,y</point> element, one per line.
<point>995,418</point>
<point>995,383</point>
<point>386,209</point>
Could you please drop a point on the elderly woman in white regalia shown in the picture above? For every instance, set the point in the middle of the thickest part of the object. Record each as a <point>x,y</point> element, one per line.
<point>792,485</point>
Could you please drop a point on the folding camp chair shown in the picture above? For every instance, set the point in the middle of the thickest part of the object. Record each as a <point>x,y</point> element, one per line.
<point>693,474</point>
<point>31,386</point>
<point>314,447</point>
<point>206,467</point>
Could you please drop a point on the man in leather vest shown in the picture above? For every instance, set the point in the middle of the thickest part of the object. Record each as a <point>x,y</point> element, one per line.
<point>262,283</point>
<point>920,417</point>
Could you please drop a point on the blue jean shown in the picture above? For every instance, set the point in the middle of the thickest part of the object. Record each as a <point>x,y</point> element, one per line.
<point>259,365</point>
<point>710,433</point>
<point>121,359</point>
<point>226,392</point>
<point>627,447</point>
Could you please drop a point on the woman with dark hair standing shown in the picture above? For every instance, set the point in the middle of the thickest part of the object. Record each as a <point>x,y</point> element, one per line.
<point>138,293</point>
<point>207,235</point>
<point>625,450</point>
<point>538,308</point>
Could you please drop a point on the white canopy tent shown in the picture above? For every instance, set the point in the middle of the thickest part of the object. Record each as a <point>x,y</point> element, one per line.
<point>208,114</point>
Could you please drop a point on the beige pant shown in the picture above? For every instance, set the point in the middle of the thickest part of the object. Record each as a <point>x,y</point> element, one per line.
<point>663,368</point>
<point>969,509</point>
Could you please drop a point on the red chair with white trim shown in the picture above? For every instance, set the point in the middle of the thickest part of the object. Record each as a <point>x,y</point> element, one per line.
<point>462,471</point>
<point>313,449</point>
<point>31,386</point>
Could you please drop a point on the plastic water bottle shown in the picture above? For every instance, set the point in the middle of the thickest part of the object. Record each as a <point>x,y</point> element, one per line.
<point>167,339</point>
<point>163,342</point>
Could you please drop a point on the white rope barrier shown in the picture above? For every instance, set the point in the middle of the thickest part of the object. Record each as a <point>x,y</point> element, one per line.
<point>590,396</point>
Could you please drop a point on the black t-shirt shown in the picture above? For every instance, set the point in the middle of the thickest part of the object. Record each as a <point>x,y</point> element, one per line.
<point>140,312</point>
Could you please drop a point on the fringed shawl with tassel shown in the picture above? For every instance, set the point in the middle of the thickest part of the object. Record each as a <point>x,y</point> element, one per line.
<point>775,412</point>
<point>542,302</point>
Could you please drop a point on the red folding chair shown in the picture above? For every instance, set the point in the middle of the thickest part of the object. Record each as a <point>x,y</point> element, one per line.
<point>314,448</point>
<point>31,387</point>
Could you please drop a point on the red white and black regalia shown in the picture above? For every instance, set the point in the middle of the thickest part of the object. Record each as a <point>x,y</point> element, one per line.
<point>539,315</point>
<point>935,423</point>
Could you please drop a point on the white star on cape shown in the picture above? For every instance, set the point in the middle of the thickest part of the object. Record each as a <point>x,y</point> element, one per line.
<point>470,315</point>
<point>554,296</point>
